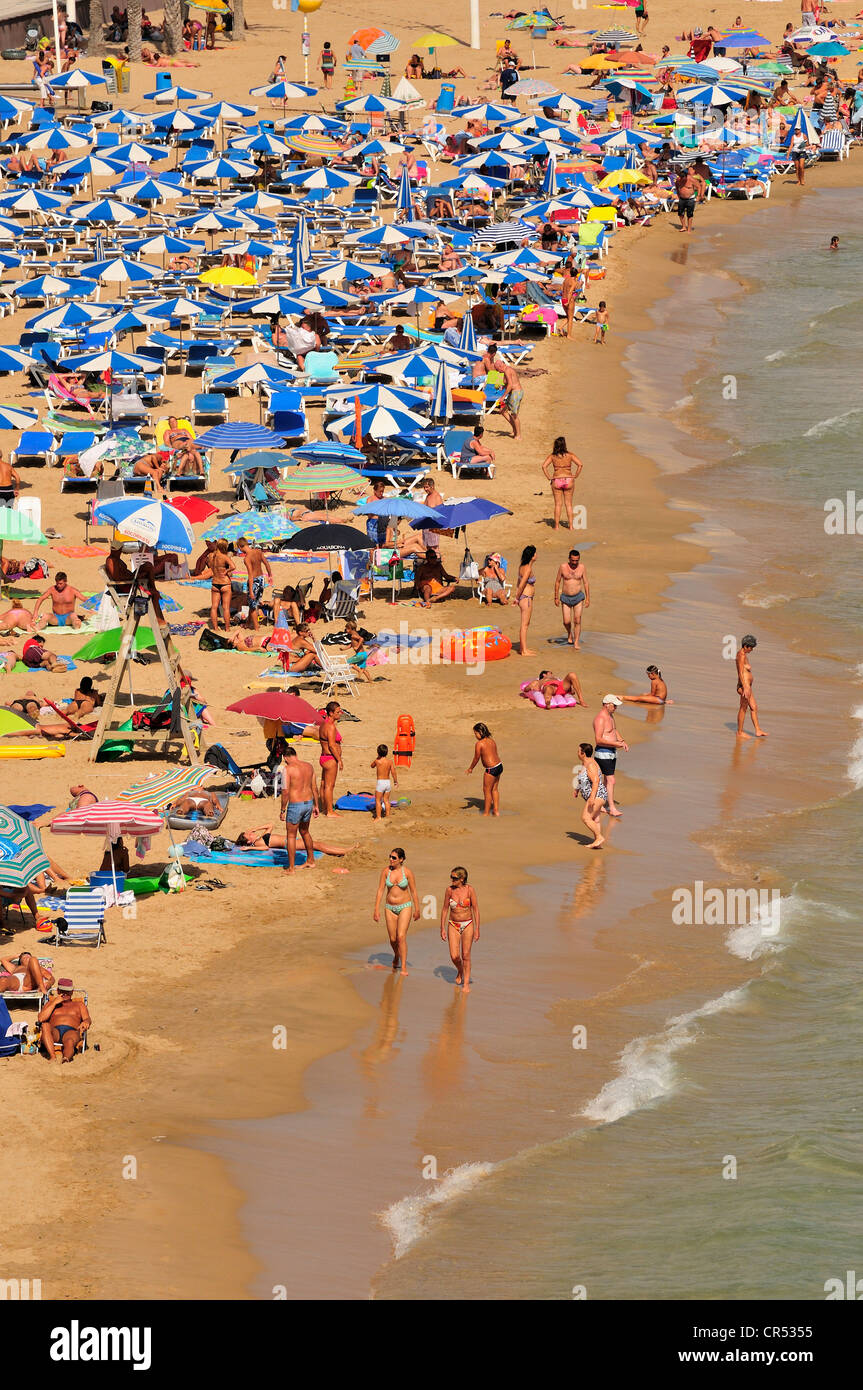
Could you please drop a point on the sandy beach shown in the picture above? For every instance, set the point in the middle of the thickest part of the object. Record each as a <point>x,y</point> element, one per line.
<point>260,1168</point>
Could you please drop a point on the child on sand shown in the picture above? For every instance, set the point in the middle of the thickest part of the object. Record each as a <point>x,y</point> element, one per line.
<point>600,319</point>
<point>387,778</point>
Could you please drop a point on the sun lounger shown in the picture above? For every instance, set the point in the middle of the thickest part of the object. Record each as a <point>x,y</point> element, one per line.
<point>210,406</point>
<point>34,446</point>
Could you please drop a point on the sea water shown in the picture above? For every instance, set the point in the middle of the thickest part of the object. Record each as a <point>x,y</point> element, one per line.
<point>721,1156</point>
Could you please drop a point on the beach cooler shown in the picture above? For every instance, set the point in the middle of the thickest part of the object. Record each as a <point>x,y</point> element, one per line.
<point>103,878</point>
<point>446,97</point>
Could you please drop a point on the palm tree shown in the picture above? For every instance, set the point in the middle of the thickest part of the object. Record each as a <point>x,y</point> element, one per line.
<point>134,10</point>
<point>238,32</point>
<point>173,17</point>
<point>96,36</point>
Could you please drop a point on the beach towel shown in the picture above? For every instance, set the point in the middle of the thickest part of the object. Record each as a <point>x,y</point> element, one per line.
<point>185,629</point>
<point>20,668</point>
<point>30,812</point>
<point>246,858</point>
<point>79,552</point>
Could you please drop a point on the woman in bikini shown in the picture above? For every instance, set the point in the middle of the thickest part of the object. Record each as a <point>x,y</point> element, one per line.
<point>590,784</point>
<point>222,567</point>
<point>331,755</point>
<point>401,902</point>
<point>524,595</point>
<point>558,469</point>
<point>24,976</point>
<point>485,751</point>
<point>460,923</point>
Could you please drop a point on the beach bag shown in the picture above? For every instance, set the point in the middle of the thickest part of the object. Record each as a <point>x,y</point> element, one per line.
<point>210,641</point>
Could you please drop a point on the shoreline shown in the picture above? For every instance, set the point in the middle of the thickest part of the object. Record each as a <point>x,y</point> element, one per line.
<point>179,1231</point>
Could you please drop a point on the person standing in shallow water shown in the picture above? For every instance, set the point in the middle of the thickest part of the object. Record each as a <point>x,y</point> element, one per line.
<point>744,688</point>
<point>459,924</point>
<point>398,891</point>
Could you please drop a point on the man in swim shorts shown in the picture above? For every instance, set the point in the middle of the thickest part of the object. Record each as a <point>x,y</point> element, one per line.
<point>256,562</point>
<point>687,192</point>
<point>10,483</point>
<point>571,594</point>
<point>608,742</point>
<point>513,398</point>
<point>299,803</point>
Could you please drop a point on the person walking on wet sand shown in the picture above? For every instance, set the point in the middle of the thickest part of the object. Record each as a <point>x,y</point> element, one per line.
<point>744,688</point>
<point>589,783</point>
<point>459,924</point>
<point>608,744</point>
<point>485,751</point>
<point>571,596</point>
<point>400,904</point>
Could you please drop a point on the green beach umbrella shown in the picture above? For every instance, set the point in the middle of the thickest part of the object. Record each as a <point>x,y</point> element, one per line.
<point>107,643</point>
<point>318,477</point>
<point>11,722</point>
<point>21,854</point>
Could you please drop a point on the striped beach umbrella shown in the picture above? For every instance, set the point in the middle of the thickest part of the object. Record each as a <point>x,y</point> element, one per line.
<point>107,210</point>
<point>108,818</point>
<point>549,178</point>
<point>441,407</point>
<point>309,142</point>
<point>158,792</point>
<point>223,169</point>
<point>404,197</point>
<point>13,418</point>
<point>284,91</point>
<point>21,854</point>
<point>302,480</point>
<point>240,434</point>
<point>380,422</point>
<point>373,105</point>
<point>467,341</point>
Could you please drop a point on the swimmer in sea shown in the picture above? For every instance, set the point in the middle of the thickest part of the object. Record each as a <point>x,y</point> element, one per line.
<point>744,689</point>
<point>658,694</point>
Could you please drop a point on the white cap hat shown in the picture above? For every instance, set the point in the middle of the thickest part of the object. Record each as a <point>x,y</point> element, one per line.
<point>611,700</point>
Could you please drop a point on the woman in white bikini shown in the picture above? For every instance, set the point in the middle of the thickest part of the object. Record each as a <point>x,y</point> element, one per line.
<point>25,975</point>
<point>402,901</point>
<point>524,594</point>
<point>558,469</point>
<point>459,924</point>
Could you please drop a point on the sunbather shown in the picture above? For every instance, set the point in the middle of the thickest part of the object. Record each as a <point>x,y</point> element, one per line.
<point>23,975</point>
<point>70,385</point>
<point>197,803</point>
<point>62,598</point>
<point>116,568</point>
<point>64,1020</point>
<point>181,442</point>
<point>35,655</point>
<point>17,617</point>
<point>152,466</point>
<point>274,837</point>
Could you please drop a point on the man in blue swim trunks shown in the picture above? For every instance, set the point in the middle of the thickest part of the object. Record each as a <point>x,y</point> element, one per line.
<point>64,1020</point>
<point>300,801</point>
<point>62,598</point>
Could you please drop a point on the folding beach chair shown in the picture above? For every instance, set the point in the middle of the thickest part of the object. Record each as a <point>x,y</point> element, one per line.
<point>341,606</point>
<point>84,915</point>
<point>335,671</point>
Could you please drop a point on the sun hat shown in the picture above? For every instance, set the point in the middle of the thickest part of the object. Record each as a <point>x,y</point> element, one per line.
<point>611,700</point>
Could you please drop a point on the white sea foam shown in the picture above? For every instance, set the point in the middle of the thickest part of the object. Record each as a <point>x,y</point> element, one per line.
<point>761,936</point>
<point>750,600</point>
<point>822,426</point>
<point>408,1219</point>
<point>647,1069</point>
<point>775,356</point>
<point>855,762</point>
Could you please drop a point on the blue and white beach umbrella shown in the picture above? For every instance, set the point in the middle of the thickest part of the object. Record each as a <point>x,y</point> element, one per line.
<point>153,523</point>
<point>14,419</point>
<point>801,124</point>
<point>52,137</point>
<point>404,197</point>
<point>284,91</point>
<point>107,210</point>
<point>223,169</point>
<point>77,78</point>
<point>380,422</point>
<point>549,178</point>
<point>114,361</point>
<point>467,341</point>
<point>441,408</point>
<point>239,434</point>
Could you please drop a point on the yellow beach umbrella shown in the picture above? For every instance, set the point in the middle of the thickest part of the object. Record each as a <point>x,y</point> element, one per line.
<point>600,63</point>
<point>622,176</point>
<point>432,40</point>
<point>227,275</point>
